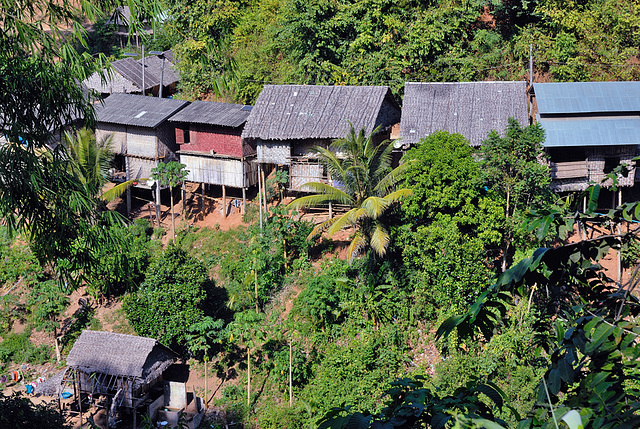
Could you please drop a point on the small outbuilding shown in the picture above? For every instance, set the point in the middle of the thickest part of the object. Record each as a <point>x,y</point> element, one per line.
<point>125,76</point>
<point>121,372</point>
<point>590,128</point>
<point>288,121</point>
<point>472,109</point>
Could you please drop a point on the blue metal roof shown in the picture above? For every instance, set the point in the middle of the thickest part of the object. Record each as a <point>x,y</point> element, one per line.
<point>587,97</point>
<point>591,132</point>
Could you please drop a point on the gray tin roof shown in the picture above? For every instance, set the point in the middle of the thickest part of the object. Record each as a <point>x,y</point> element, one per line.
<point>126,75</point>
<point>589,113</point>
<point>212,113</point>
<point>472,109</point>
<point>591,132</point>
<point>137,110</point>
<point>284,112</point>
<point>587,97</point>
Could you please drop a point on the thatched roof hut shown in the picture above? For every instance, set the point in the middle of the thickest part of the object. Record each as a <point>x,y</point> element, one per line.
<point>296,112</point>
<point>120,355</point>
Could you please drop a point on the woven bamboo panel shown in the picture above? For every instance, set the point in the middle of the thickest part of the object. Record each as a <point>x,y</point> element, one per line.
<point>299,174</point>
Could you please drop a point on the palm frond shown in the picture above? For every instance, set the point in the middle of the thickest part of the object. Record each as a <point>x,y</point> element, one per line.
<point>325,194</point>
<point>118,190</point>
<point>321,228</point>
<point>393,177</point>
<point>346,220</point>
<point>398,195</point>
<point>358,243</point>
<point>375,206</point>
<point>379,239</point>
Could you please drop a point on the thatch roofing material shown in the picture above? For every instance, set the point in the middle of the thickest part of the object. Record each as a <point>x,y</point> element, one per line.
<point>119,355</point>
<point>211,113</point>
<point>472,109</point>
<point>126,75</point>
<point>284,112</point>
<point>137,110</point>
<point>52,386</point>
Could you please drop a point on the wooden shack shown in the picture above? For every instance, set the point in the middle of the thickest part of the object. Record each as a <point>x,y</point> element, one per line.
<point>590,128</point>
<point>125,76</point>
<point>288,121</point>
<point>472,109</point>
<point>210,144</point>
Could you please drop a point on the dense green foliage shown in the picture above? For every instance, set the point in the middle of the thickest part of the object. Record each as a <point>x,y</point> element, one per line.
<point>172,298</point>
<point>251,43</point>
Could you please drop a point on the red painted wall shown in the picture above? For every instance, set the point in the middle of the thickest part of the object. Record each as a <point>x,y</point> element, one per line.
<point>222,140</point>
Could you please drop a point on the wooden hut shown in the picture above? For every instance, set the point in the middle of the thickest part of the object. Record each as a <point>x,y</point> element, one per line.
<point>125,76</point>
<point>590,128</point>
<point>472,109</point>
<point>127,370</point>
<point>142,136</point>
<point>287,121</point>
<point>209,137</point>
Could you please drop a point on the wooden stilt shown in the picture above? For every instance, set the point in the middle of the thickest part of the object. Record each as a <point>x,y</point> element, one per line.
<point>260,195</point>
<point>224,200</point>
<point>264,188</point>
<point>244,200</point>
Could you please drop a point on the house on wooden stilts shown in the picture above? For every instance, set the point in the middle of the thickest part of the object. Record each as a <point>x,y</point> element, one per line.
<point>591,128</point>
<point>123,374</point>
<point>288,121</point>
<point>142,136</point>
<point>208,135</point>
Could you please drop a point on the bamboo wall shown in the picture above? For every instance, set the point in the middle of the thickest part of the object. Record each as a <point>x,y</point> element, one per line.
<point>220,171</point>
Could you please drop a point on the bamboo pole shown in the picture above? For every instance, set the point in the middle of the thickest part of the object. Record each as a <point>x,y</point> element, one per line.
<point>248,376</point>
<point>244,200</point>
<point>260,195</point>
<point>206,384</point>
<point>255,277</point>
<point>264,187</point>
<point>290,372</point>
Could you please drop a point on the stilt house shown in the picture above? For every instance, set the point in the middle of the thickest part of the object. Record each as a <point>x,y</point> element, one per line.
<point>209,138</point>
<point>591,128</point>
<point>472,109</point>
<point>288,121</point>
<point>142,136</point>
<point>125,373</point>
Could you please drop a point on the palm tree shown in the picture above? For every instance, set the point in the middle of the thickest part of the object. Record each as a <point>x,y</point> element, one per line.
<point>90,160</point>
<point>363,179</point>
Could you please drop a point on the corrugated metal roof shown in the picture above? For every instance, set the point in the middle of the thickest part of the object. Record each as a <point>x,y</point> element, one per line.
<point>587,97</point>
<point>137,110</point>
<point>284,112</point>
<point>132,70</point>
<point>212,113</point>
<point>472,109</point>
<point>591,132</point>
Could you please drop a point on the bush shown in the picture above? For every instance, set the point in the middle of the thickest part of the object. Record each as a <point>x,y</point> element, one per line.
<point>18,412</point>
<point>171,299</point>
